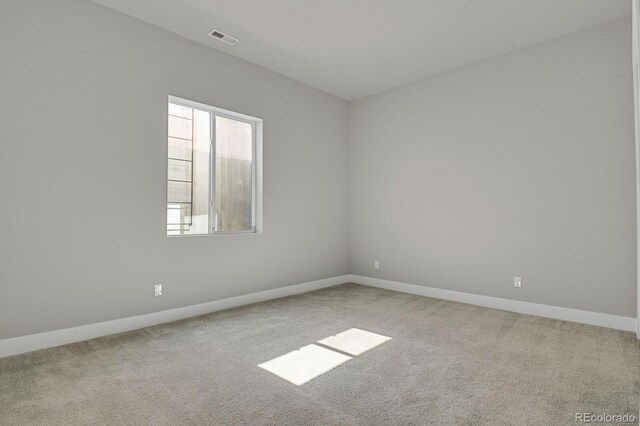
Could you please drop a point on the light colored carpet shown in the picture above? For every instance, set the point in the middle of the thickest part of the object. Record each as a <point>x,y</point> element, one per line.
<point>447,363</point>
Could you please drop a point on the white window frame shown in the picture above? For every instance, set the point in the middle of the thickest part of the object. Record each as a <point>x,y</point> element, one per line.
<point>256,166</point>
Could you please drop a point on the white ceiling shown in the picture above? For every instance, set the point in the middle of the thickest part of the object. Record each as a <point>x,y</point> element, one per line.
<point>354,48</point>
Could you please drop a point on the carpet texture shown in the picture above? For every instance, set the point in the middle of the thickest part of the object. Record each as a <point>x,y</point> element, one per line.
<point>447,363</point>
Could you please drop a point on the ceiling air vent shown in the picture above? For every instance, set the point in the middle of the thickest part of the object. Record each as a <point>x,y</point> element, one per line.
<point>223,37</point>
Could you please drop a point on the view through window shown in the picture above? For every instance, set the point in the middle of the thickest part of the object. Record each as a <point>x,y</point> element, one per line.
<point>211,170</point>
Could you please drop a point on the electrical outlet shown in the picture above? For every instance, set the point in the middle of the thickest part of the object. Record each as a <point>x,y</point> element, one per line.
<point>157,290</point>
<point>517,282</point>
<point>376,264</point>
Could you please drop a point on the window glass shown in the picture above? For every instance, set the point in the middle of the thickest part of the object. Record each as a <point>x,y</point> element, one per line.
<point>211,182</point>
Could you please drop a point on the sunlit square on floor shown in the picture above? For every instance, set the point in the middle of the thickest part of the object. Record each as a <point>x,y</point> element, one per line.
<point>354,341</point>
<point>302,365</point>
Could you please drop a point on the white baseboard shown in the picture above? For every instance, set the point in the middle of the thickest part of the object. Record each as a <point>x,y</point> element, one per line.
<point>32,342</point>
<point>555,312</point>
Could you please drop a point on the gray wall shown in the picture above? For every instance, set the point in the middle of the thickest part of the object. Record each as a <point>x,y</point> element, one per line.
<point>82,171</point>
<point>520,165</point>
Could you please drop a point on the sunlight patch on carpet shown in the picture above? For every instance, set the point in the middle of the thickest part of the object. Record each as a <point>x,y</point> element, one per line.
<point>354,341</point>
<point>305,364</point>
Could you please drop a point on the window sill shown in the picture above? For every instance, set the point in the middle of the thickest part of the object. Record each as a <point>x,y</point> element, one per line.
<point>217,234</point>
